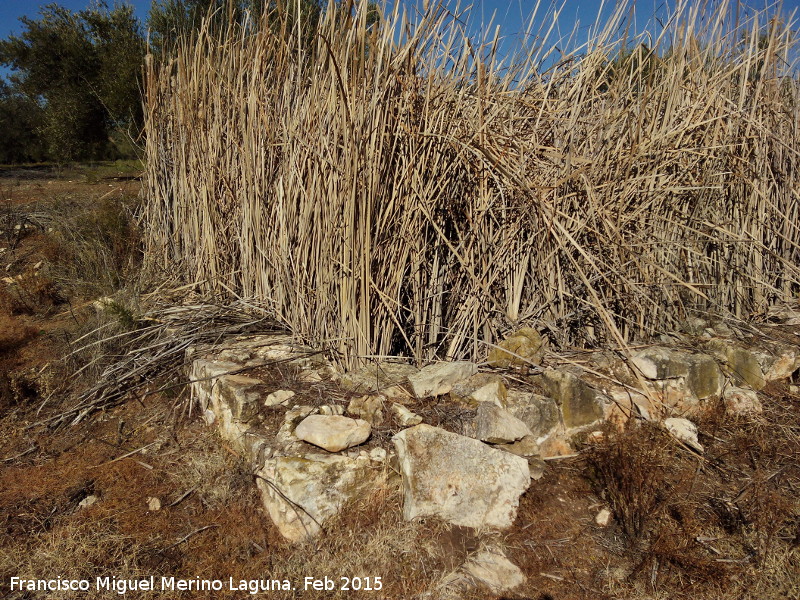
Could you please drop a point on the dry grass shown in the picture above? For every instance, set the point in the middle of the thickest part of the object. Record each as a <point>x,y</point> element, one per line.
<point>414,194</point>
<point>95,248</point>
<point>13,332</point>
<point>81,549</point>
<point>44,533</point>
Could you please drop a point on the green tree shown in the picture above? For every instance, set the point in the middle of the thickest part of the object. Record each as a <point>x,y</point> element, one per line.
<point>120,47</point>
<point>82,69</point>
<point>20,123</point>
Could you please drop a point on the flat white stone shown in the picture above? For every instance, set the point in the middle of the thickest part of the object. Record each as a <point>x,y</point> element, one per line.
<point>333,432</point>
<point>498,426</point>
<point>278,397</point>
<point>459,479</point>
<point>603,518</point>
<point>438,379</point>
<point>684,431</point>
<point>492,569</point>
<point>301,493</point>
<point>405,416</point>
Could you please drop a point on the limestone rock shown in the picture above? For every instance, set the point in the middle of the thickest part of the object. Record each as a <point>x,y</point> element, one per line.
<point>386,379</point>
<point>701,372</point>
<point>786,313</point>
<point>722,329</point>
<point>694,326</point>
<point>497,426</point>
<point>310,375</point>
<point>278,397</point>
<point>458,479</point>
<point>439,378</point>
<point>294,415</point>
<point>674,395</point>
<point>525,447</point>
<point>153,504</point>
<point>580,404</point>
<point>88,501</point>
<point>482,387</point>
<point>523,348</point>
<point>405,416</point>
<point>230,401</point>
<point>627,402</point>
<point>291,419</point>
<point>777,360</point>
<point>528,448</point>
<point>301,493</point>
<point>603,518</point>
<point>539,413</point>
<point>660,363</point>
<point>377,454</point>
<point>369,408</point>
<point>705,378</point>
<point>556,445</point>
<point>240,394</point>
<point>333,432</point>
<point>739,401</point>
<point>536,466</point>
<point>684,431</point>
<point>203,377</point>
<point>256,350</point>
<point>742,364</point>
<point>492,569</point>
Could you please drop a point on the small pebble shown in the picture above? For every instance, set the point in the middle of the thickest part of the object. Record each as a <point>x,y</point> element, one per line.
<point>603,518</point>
<point>88,501</point>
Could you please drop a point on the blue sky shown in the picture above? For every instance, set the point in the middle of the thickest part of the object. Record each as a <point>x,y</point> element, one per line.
<point>511,15</point>
<point>11,10</point>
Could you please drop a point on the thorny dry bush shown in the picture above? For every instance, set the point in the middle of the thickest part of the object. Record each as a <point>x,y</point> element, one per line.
<point>717,525</point>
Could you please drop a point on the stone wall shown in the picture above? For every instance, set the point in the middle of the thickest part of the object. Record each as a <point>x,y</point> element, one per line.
<point>463,440</point>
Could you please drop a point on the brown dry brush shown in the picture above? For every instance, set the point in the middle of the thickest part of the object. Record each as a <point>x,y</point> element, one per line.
<point>413,193</point>
<point>138,354</point>
<point>630,470</point>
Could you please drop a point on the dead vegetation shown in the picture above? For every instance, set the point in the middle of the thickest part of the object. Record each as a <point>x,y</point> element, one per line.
<point>719,525</point>
<point>585,198</point>
<point>401,189</point>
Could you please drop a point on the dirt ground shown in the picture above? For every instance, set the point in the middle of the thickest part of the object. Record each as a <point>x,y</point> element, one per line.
<point>144,488</point>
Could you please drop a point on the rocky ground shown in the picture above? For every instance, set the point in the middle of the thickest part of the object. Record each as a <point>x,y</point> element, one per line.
<point>147,487</point>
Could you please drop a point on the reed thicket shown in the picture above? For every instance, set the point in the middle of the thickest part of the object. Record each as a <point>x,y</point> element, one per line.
<point>400,189</point>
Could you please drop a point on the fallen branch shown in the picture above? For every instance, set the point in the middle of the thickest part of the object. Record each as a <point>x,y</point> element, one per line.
<point>20,455</point>
<point>126,455</point>
<point>188,536</point>
<point>156,349</point>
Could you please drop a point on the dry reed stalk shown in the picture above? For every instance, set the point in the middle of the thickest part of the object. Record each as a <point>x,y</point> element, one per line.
<point>134,361</point>
<point>411,193</point>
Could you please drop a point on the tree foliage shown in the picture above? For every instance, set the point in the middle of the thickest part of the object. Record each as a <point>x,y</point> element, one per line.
<point>169,20</point>
<point>20,119</point>
<point>74,92</point>
<point>82,70</point>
